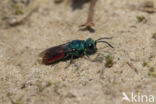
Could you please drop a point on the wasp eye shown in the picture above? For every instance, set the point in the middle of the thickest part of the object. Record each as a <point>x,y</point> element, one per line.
<point>91,46</point>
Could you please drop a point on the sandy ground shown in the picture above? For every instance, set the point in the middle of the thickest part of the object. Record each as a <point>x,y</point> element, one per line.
<point>43,24</point>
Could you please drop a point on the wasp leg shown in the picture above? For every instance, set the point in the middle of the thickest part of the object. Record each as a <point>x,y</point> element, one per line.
<point>66,56</point>
<point>86,54</point>
<point>71,60</point>
<point>89,23</point>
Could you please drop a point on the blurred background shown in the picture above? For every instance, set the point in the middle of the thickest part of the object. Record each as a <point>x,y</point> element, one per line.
<point>27,27</point>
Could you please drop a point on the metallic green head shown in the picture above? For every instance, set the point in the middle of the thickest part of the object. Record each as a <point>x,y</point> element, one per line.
<point>90,44</point>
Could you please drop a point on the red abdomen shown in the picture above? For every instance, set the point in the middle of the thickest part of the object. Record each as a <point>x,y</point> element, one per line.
<point>53,59</point>
<point>53,54</point>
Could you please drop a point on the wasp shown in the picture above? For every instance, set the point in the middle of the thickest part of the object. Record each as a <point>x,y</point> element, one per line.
<point>71,50</point>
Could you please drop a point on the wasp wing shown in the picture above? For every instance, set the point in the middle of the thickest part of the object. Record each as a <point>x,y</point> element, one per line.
<point>53,54</point>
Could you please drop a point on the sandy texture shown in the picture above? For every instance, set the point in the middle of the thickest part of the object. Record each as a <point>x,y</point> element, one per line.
<point>23,80</point>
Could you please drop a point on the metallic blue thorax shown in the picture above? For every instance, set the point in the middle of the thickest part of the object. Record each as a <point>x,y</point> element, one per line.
<point>76,47</point>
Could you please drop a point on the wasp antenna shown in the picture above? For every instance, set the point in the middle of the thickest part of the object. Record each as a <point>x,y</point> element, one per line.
<point>106,43</point>
<point>104,38</point>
